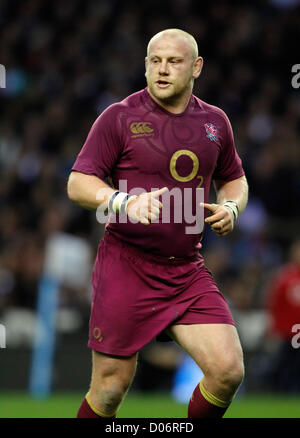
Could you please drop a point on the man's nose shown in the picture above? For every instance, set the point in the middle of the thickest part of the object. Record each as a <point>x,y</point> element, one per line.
<point>163,68</point>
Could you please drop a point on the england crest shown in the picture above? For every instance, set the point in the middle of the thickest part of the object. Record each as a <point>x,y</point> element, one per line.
<point>211,131</point>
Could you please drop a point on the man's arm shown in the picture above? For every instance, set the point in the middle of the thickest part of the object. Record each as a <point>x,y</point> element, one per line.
<point>91,192</point>
<point>236,190</point>
<point>224,213</point>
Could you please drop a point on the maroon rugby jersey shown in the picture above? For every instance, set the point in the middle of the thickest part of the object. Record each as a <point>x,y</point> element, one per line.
<point>138,142</point>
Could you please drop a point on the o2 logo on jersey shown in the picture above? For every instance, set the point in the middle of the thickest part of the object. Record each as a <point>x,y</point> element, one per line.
<point>183,198</point>
<point>194,171</point>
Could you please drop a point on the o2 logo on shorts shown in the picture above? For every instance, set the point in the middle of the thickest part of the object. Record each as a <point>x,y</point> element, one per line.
<point>97,334</point>
<point>296,337</point>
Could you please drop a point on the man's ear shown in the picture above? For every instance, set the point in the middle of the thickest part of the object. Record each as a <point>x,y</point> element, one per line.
<point>198,64</point>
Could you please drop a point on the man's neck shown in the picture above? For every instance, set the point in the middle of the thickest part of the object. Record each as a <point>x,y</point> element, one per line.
<point>176,105</point>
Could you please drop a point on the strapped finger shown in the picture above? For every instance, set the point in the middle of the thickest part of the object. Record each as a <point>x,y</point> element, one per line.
<point>219,225</point>
<point>222,223</point>
<point>155,207</point>
<point>152,216</point>
<point>155,211</point>
<point>156,203</point>
<point>144,221</point>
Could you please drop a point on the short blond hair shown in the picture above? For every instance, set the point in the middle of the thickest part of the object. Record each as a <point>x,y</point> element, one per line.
<point>173,32</point>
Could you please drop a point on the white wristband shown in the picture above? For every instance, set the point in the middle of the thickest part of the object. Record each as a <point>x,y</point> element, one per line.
<point>118,202</point>
<point>231,205</point>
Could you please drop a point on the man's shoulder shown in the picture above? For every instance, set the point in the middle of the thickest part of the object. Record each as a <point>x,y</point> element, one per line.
<point>210,109</point>
<point>113,115</point>
<point>134,100</point>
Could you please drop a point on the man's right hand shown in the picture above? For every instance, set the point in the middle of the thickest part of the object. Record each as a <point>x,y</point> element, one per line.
<point>146,207</point>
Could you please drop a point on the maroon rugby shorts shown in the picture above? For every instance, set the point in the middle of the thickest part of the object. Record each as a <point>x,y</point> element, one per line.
<point>136,296</point>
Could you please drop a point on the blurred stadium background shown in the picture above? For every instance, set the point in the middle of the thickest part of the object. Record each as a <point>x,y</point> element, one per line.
<point>65,62</point>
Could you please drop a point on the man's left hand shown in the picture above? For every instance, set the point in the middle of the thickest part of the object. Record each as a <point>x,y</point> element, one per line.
<point>221,219</point>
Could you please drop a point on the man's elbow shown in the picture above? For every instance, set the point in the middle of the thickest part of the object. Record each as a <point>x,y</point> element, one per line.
<point>71,188</point>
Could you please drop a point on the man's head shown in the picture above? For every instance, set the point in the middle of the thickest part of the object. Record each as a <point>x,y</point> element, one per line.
<point>172,65</point>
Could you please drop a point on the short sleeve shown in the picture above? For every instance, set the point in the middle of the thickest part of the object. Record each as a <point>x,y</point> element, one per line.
<point>229,165</point>
<point>102,147</point>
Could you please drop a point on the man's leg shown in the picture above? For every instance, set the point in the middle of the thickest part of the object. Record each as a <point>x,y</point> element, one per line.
<point>217,351</point>
<point>111,378</point>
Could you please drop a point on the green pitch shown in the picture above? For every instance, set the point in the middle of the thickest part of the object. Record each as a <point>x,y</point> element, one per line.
<point>145,405</point>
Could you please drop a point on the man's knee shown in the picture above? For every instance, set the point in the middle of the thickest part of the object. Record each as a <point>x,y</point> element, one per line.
<point>111,379</point>
<point>233,374</point>
<point>110,393</point>
<point>229,374</point>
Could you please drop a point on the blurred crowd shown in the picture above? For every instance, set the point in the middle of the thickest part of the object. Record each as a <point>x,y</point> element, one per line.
<point>67,60</point>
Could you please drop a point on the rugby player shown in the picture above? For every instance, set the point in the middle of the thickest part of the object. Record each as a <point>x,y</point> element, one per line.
<point>149,278</point>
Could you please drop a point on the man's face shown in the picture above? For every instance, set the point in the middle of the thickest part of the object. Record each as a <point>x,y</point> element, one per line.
<point>171,68</point>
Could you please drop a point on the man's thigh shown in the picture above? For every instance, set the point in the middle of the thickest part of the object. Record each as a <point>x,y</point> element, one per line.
<point>212,346</point>
<point>106,366</point>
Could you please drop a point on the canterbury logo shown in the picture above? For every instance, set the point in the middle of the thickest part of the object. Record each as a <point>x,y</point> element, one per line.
<point>141,128</point>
